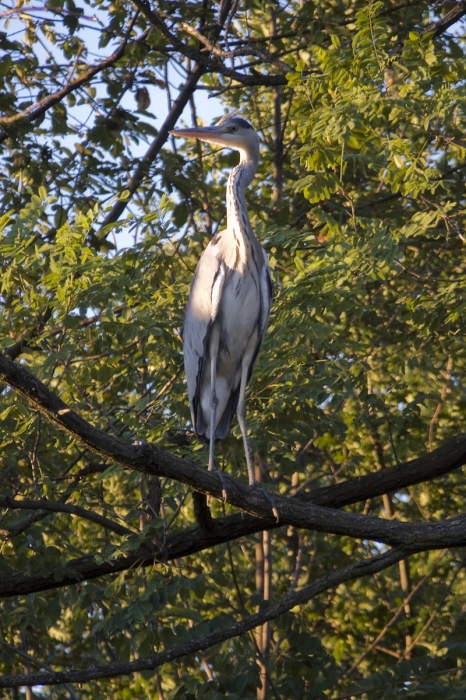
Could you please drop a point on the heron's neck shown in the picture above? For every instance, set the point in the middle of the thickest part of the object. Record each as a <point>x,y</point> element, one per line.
<point>238,223</point>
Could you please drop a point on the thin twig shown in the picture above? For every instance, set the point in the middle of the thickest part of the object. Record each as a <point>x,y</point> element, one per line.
<point>397,614</point>
<point>331,580</point>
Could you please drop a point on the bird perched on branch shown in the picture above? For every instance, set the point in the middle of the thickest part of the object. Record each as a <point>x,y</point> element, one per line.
<point>229,302</point>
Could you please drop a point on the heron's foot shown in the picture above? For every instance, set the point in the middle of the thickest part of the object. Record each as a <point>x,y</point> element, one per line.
<point>223,484</point>
<point>270,499</point>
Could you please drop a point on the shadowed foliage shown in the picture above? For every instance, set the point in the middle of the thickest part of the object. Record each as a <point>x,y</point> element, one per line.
<point>117,578</point>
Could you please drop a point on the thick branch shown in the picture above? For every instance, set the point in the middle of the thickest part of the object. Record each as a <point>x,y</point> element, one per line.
<point>156,146</point>
<point>151,460</point>
<point>348,573</point>
<point>444,23</point>
<point>209,65</point>
<point>169,123</point>
<point>37,110</point>
<point>194,540</point>
<point>443,460</point>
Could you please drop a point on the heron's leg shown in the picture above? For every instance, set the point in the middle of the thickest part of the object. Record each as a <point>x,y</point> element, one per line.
<point>241,413</point>
<point>213,411</point>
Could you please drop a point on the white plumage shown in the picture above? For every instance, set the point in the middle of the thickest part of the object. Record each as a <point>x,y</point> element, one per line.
<point>229,302</point>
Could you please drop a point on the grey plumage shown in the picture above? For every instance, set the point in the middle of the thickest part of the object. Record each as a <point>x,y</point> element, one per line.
<point>229,302</point>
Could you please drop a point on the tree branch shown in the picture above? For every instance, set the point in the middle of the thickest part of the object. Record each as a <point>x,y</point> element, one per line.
<point>27,657</point>
<point>156,146</point>
<point>37,110</point>
<point>173,116</point>
<point>54,507</point>
<point>151,460</point>
<point>396,616</point>
<point>23,340</point>
<point>15,350</point>
<point>247,51</point>
<point>444,23</point>
<point>194,540</point>
<point>443,460</point>
<point>209,64</point>
<point>348,573</point>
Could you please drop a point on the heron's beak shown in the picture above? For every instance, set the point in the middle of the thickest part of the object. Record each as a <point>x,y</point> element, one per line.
<point>212,134</point>
<point>205,133</point>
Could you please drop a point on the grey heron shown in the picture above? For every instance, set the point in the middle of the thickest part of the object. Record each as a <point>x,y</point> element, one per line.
<point>229,302</point>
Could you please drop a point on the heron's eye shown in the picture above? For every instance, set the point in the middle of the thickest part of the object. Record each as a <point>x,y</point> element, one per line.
<point>234,128</point>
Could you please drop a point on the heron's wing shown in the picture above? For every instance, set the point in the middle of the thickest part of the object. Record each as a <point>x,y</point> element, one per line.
<point>201,311</point>
<point>266,296</point>
<point>266,292</point>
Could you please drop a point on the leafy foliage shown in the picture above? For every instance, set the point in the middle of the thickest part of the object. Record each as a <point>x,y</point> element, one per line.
<point>360,202</point>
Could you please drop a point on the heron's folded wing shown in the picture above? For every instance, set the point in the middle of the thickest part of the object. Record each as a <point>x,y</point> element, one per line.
<point>200,313</point>
<point>266,296</point>
<point>266,292</point>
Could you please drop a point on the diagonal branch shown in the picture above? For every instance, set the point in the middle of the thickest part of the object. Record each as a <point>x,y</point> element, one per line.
<point>170,122</point>
<point>37,110</point>
<point>197,539</point>
<point>55,507</point>
<point>156,146</point>
<point>443,460</point>
<point>31,659</point>
<point>448,20</point>
<point>210,65</point>
<point>348,573</point>
<point>248,51</point>
<point>397,614</point>
<point>149,459</point>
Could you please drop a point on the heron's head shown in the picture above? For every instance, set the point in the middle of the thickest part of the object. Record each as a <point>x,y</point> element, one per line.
<point>232,131</point>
